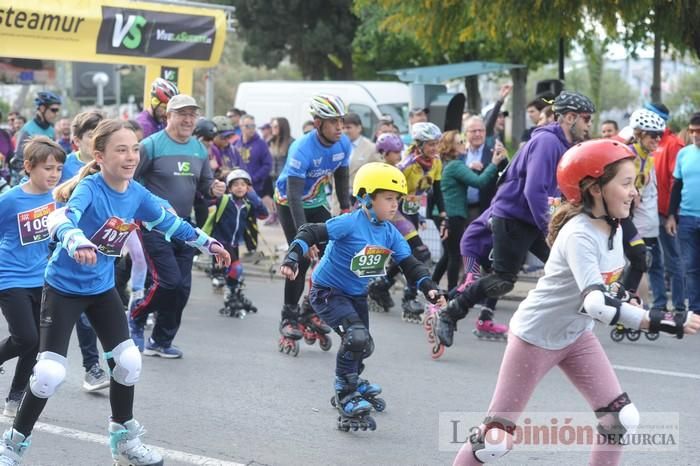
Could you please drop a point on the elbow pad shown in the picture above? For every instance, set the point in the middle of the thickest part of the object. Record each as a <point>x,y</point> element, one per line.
<point>667,322</point>
<point>601,306</point>
<point>313,234</point>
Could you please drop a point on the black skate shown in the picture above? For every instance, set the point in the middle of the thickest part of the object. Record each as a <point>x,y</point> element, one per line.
<point>412,308</point>
<point>290,331</point>
<point>313,327</point>
<point>379,295</point>
<point>218,282</point>
<point>236,304</point>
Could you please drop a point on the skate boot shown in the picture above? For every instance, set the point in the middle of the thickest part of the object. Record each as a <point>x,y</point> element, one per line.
<point>127,449</point>
<point>370,392</point>
<point>247,304</point>
<point>290,331</point>
<point>353,409</point>
<point>218,282</point>
<point>487,329</point>
<point>313,327</point>
<point>12,447</point>
<point>412,308</point>
<point>379,294</point>
<point>233,307</point>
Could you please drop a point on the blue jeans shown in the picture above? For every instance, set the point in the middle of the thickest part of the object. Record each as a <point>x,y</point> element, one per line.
<point>87,341</point>
<point>689,237</point>
<point>673,264</point>
<point>333,306</point>
<point>656,274</point>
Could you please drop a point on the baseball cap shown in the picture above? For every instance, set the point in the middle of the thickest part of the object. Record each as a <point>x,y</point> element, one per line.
<point>265,126</point>
<point>181,101</point>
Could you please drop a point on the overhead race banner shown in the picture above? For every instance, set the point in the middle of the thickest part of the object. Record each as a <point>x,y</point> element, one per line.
<point>112,31</point>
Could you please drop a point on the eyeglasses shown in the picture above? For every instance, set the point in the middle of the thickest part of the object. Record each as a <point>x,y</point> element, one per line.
<point>655,134</point>
<point>480,130</point>
<point>694,130</point>
<point>55,109</point>
<point>191,115</point>
<point>250,125</point>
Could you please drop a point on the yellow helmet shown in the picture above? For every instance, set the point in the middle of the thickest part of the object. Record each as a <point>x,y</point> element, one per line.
<point>377,176</point>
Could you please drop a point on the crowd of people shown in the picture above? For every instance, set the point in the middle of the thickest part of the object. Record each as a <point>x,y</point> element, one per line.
<point>110,214</point>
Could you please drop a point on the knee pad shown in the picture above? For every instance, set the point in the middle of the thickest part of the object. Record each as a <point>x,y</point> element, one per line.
<point>422,253</point>
<point>497,285</point>
<point>127,363</point>
<point>495,441</point>
<point>356,338</point>
<point>637,255</point>
<point>625,418</point>
<point>49,373</point>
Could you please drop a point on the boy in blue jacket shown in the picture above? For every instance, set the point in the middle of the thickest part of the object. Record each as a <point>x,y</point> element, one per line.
<point>227,223</point>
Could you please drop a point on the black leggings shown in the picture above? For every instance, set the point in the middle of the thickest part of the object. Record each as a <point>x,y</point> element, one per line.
<point>293,289</point>
<point>20,306</point>
<point>59,312</point>
<point>451,260</point>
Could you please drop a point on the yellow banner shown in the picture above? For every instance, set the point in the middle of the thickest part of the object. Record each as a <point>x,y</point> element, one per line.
<point>112,31</point>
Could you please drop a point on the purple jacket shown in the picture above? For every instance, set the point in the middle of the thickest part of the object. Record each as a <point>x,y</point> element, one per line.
<point>256,158</point>
<point>477,239</point>
<point>148,123</point>
<point>226,157</point>
<point>531,179</point>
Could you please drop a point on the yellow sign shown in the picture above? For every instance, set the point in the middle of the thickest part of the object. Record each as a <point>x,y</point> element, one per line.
<point>112,31</point>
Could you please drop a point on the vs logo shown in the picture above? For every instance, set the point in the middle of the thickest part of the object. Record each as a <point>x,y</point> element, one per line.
<point>183,167</point>
<point>128,33</point>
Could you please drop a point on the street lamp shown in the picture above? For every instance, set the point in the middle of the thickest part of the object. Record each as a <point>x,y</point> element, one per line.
<point>100,80</point>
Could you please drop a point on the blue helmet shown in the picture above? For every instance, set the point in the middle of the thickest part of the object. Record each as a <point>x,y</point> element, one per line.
<point>46,98</point>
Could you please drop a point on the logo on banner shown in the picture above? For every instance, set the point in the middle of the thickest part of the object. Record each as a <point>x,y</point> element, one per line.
<point>128,33</point>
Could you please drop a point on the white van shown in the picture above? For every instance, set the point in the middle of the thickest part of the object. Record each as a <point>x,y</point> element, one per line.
<point>290,99</point>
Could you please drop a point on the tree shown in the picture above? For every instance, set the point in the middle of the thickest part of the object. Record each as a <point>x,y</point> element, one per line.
<point>314,34</point>
<point>464,30</point>
<point>375,48</point>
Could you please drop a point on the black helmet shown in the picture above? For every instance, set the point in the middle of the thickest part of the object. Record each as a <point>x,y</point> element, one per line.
<point>569,101</point>
<point>46,98</point>
<point>205,129</point>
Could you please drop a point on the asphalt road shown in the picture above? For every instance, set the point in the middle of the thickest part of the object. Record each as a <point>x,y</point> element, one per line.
<point>234,398</point>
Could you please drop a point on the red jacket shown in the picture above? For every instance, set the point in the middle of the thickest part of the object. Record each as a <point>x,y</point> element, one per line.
<point>665,162</point>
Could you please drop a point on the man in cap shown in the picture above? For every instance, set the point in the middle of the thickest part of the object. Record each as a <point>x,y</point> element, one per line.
<point>174,166</point>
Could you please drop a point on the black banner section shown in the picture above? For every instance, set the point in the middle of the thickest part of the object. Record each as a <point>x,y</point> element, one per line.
<point>124,31</point>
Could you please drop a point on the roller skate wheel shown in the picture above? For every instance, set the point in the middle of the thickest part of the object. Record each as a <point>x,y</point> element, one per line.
<point>371,423</point>
<point>309,341</point>
<point>325,343</point>
<point>633,335</point>
<point>223,311</point>
<point>616,335</point>
<point>438,351</point>
<point>333,403</point>
<point>345,427</point>
<point>354,425</point>
<point>652,336</point>
<point>295,348</point>
<point>379,404</point>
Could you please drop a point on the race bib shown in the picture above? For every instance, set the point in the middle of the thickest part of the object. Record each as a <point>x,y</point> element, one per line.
<point>33,224</point>
<point>111,236</point>
<point>370,261</point>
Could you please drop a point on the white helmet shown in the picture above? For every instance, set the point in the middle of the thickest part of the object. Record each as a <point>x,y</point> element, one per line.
<point>646,120</point>
<point>238,174</point>
<point>326,106</point>
<point>425,131</point>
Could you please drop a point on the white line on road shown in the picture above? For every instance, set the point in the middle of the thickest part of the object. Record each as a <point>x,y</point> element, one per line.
<point>174,455</point>
<point>684,375</point>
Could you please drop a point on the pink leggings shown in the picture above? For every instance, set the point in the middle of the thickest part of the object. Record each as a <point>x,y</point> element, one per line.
<point>584,362</point>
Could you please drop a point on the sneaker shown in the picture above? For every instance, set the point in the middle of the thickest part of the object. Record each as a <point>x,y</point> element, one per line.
<point>168,352</point>
<point>12,446</point>
<point>136,332</point>
<point>95,379</point>
<point>127,448</point>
